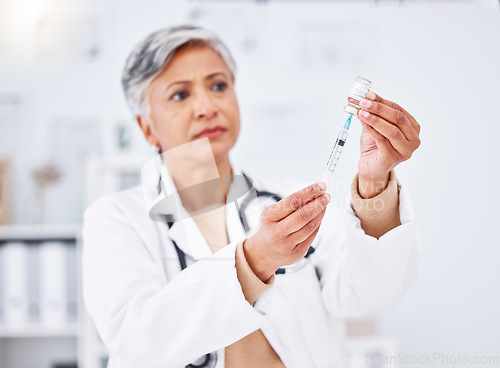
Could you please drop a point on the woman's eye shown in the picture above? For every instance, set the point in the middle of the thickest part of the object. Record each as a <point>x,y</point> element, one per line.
<point>179,96</point>
<point>219,86</point>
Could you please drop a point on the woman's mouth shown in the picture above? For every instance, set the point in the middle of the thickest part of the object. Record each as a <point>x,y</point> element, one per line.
<point>210,133</point>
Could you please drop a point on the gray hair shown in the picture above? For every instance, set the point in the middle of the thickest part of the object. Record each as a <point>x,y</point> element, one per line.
<point>151,56</point>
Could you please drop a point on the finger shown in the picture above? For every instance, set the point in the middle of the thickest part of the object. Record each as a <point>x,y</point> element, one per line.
<point>383,143</point>
<point>374,97</point>
<point>290,204</point>
<point>306,231</point>
<point>392,133</point>
<point>394,116</point>
<point>303,215</point>
<point>302,247</point>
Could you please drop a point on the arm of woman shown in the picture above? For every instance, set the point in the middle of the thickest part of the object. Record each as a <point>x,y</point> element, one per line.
<point>370,260</point>
<point>367,255</point>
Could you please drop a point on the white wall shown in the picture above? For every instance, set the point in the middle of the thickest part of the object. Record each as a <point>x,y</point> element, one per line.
<point>438,60</point>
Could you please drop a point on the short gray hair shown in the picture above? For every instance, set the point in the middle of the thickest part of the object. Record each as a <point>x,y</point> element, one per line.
<point>151,56</point>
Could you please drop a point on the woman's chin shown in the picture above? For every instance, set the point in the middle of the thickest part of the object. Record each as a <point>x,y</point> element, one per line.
<point>221,146</point>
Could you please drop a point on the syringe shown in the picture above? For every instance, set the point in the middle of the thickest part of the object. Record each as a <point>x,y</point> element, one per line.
<point>336,151</point>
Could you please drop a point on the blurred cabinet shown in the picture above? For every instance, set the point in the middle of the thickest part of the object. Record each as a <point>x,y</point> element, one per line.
<point>30,337</point>
<point>40,296</point>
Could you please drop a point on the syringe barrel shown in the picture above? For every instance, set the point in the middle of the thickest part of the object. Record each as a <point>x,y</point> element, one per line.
<point>337,150</point>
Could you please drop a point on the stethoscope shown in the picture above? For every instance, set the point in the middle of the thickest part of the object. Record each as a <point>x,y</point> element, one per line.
<point>210,359</point>
<point>244,222</point>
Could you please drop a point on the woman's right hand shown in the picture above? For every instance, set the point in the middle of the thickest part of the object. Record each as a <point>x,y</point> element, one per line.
<point>286,230</point>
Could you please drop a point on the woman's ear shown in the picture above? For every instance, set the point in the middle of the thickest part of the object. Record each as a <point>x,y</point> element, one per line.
<point>147,130</point>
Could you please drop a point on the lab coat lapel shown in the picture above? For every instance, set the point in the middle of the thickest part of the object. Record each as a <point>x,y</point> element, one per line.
<point>235,231</point>
<point>250,213</point>
<point>183,231</point>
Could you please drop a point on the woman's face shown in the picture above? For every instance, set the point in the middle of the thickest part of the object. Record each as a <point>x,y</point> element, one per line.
<point>192,98</point>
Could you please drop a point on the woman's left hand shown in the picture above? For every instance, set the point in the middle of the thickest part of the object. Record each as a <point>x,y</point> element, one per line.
<point>389,137</point>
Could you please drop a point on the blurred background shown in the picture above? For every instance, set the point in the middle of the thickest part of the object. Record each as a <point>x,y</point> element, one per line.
<point>67,137</point>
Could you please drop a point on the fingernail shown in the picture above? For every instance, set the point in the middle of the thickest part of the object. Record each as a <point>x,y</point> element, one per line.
<point>322,186</point>
<point>370,95</point>
<point>365,103</point>
<point>364,113</point>
<point>327,197</point>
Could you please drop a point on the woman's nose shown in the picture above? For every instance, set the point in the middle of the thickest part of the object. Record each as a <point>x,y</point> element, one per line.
<point>204,107</point>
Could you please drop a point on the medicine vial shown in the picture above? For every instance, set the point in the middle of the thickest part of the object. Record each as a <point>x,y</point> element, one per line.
<point>360,88</point>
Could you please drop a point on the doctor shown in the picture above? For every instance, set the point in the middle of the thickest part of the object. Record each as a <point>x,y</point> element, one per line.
<point>223,286</point>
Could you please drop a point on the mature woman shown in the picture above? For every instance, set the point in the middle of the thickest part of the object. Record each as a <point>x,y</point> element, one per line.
<point>277,278</point>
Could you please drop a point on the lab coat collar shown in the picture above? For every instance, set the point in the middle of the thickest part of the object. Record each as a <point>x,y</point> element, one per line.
<point>236,196</point>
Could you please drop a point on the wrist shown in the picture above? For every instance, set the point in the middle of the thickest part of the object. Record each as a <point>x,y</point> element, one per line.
<point>369,187</point>
<point>256,263</point>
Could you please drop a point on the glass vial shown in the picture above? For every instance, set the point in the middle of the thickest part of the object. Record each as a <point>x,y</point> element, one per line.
<point>360,88</point>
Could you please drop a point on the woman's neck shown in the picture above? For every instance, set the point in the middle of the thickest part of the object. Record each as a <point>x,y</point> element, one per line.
<point>203,188</point>
<point>224,167</point>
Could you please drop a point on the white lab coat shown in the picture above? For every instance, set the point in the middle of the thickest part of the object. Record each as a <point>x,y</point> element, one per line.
<point>151,315</point>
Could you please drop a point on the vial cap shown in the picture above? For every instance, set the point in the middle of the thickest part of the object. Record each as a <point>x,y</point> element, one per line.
<point>351,110</point>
